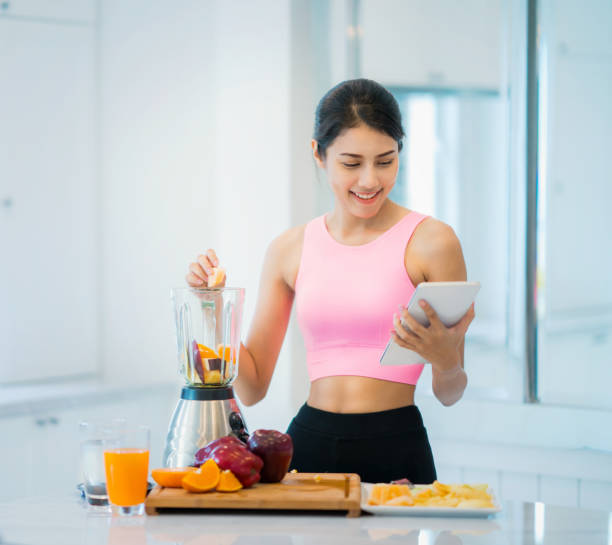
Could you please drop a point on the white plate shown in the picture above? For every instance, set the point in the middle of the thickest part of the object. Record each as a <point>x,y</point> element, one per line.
<point>421,511</point>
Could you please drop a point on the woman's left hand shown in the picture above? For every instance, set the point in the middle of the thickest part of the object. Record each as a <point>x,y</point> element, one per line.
<point>437,343</point>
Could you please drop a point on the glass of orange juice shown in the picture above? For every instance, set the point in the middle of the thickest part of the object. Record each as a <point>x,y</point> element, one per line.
<point>127,469</point>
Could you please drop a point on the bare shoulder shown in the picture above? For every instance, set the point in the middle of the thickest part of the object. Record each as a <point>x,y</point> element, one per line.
<point>436,250</point>
<point>284,253</point>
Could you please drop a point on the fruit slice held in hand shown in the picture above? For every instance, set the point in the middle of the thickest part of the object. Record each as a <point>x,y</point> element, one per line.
<point>204,453</point>
<point>216,278</point>
<point>170,477</point>
<point>228,482</point>
<point>275,449</point>
<point>204,479</point>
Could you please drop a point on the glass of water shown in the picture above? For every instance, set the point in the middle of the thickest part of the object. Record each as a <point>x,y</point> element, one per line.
<point>95,438</point>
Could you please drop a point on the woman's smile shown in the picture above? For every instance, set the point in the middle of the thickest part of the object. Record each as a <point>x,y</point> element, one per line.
<point>369,197</point>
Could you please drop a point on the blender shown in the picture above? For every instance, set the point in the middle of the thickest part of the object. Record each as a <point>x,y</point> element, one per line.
<point>208,341</point>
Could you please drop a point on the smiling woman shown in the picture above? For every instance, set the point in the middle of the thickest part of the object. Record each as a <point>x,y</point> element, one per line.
<point>348,271</point>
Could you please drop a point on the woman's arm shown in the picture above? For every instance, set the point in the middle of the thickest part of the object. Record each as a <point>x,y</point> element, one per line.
<point>259,354</point>
<point>441,258</point>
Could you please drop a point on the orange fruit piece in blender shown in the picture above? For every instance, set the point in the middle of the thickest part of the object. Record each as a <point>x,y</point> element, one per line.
<point>204,480</point>
<point>217,277</point>
<point>228,482</point>
<point>225,353</point>
<point>207,353</point>
<point>170,477</point>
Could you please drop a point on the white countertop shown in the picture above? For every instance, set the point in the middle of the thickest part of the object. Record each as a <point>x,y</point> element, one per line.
<point>64,520</point>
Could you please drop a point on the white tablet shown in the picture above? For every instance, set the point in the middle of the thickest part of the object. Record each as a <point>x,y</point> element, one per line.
<point>450,300</point>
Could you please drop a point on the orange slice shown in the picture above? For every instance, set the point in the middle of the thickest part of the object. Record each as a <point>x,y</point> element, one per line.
<point>225,353</point>
<point>207,353</point>
<point>204,480</point>
<point>170,477</point>
<point>217,277</point>
<point>228,482</point>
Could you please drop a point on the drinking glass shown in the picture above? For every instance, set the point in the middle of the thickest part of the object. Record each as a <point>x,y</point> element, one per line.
<point>94,438</point>
<point>127,470</point>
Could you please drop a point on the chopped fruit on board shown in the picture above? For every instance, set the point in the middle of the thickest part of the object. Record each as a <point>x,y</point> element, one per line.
<point>244,464</point>
<point>204,453</point>
<point>216,278</point>
<point>204,479</point>
<point>228,482</point>
<point>275,449</point>
<point>231,453</point>
<point>170,477</point>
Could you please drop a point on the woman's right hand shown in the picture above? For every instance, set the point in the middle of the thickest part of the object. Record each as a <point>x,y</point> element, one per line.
<point>202,268</point>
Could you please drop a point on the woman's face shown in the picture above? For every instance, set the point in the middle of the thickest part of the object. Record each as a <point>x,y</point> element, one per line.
<point>361,165</point>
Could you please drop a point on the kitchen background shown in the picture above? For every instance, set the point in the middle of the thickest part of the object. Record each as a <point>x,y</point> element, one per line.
<point>136,134</point>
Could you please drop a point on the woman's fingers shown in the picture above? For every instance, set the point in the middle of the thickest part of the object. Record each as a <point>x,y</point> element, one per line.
<point>402,333</point>
<point>212,257</point>
<point>467,319</point>
<point>402,342</point>
<point>193,280</point>
<point>431,314</point>
<point>410,323</point>
<point>197,271</point>
<point>205,263</point>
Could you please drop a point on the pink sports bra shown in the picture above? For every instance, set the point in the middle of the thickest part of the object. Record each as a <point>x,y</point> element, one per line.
<point>346,297</point>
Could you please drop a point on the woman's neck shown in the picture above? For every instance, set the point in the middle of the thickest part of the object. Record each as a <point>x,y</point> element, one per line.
<point>352,229</point>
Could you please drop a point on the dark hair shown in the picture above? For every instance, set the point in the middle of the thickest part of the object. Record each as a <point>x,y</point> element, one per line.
<point>352,103</point>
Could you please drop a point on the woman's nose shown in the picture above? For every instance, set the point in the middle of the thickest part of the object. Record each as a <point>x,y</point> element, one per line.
<point>368,179</point>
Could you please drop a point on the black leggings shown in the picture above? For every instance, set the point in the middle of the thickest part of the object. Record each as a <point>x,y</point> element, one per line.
<point>380,447</point>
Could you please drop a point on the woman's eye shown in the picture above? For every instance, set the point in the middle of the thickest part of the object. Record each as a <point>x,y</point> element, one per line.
<point>385,163</point>
<point>351,165</point>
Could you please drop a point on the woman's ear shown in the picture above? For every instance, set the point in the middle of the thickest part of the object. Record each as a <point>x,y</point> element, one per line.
<point>315,153</point>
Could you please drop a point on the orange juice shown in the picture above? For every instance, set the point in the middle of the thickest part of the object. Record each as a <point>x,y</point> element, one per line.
<point>127,470</point>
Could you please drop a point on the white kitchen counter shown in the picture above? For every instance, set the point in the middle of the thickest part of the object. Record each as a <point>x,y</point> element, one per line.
<point>64,520</point>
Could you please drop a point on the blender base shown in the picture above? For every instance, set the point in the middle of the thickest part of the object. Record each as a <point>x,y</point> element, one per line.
<point>201,416</point>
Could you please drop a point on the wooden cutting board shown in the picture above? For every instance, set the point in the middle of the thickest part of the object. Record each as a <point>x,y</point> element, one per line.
<point>304,491</point>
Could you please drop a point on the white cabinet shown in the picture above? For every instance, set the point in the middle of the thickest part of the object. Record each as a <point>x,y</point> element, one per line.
<point>48,282</point>
<point>432,43</point>
<point>40,451</point>
<point>75,11</point>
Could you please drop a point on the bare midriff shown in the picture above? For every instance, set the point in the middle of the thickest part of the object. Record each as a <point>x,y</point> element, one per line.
<point>351,394</point>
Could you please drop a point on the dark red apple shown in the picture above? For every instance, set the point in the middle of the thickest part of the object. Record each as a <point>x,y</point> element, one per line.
<point>243,463</point>
<point>275,449</point>
<point>204,453</point>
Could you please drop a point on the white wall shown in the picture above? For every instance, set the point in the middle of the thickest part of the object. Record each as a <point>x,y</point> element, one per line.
<point>194,138</point>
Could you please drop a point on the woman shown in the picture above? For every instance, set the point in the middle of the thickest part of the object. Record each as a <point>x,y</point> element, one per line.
<point>348,273</point>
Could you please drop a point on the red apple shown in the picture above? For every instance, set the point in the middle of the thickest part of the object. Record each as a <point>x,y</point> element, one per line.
<point>243,463</point>
<point>204,453</point>
<point>275,449</point>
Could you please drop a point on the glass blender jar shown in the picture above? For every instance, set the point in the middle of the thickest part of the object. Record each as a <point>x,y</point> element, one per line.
<point>208,341</point>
